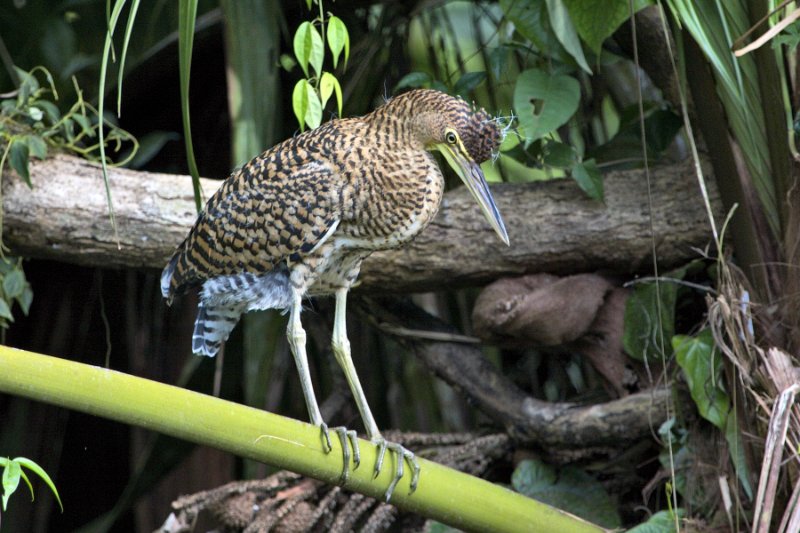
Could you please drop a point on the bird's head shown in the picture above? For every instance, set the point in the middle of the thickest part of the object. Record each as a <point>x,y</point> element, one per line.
<point>465,137</point>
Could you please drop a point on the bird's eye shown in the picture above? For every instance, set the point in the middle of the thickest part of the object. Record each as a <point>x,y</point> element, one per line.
<point>450,137</point>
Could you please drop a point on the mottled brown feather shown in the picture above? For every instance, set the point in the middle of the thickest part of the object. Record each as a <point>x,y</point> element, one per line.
<point>371,175</point>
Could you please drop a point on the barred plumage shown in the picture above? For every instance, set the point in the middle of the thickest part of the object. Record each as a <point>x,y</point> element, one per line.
<point>299,219</point>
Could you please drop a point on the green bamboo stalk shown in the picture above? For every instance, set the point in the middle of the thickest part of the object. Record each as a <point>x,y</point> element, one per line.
<point>444,494</point>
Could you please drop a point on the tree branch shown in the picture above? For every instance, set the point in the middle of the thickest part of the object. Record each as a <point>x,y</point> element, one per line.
<point>554,426</point>
<point>553,226</point>
<point>444,494</point>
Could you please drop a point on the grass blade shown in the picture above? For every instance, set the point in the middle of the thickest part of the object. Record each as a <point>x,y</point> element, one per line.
<point>186,22</point>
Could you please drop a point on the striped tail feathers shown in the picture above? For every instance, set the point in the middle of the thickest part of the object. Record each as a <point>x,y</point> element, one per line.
<point>223,299</point>
<point>213,327</point>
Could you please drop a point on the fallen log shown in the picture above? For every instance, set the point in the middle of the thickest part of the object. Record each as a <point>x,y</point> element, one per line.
<point>552,225</point>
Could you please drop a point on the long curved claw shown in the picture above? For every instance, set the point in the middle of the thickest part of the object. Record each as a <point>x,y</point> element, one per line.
<point>403,455</point>
<point>345,435</point>
<point>326,437</point>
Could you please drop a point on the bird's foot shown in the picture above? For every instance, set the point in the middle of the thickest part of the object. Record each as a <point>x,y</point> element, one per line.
<point>403,454</point>
<point>349,440</point>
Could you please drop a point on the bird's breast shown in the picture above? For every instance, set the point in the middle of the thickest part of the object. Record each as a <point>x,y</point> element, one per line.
<point>393,200</point>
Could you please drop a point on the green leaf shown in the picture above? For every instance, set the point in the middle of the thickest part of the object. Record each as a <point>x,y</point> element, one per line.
<point>11,476</point>
<point>306,104</point>
<point>498,60</point>
<point>14,284</point>
<point>645,331</point>
<point>35,114</point>
<point>25,299</point>
<point>84,122</point>
<point>532,22</point>
<point>597,20</point>
<point>660,522</point>
<point>468,81</point>
<point>50,110</point>
<point>327,85</point>
<point>150,144</point>
<point>36,146</point>
<point>314,112</point>
<point>308,47</point>
<point>18,159</point>
<point>702,368</point>
<point>7,264</point>
<point>565,32</point>
<point>437,527</point>
<point>558,154</point>
<point>570,489</point>
<point>544,102</point>
<point>39,471</point>
<point>300,102</point>
<point>588,178</point>
<point>28,85</point>
<point>287,62</point>
<point>661,127</point>
<point>5,310</point>
<point>338,39</point>
<point>736,451</point>
<point>413,80</point>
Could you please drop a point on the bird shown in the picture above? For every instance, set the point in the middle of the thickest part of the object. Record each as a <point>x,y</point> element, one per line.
<point>298,220</point>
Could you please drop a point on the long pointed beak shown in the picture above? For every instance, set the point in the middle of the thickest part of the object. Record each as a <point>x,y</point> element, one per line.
<point>472,176</point>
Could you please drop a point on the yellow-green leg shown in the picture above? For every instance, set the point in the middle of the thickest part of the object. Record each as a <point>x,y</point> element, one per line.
<point>341,349</point>
<point>297,341</point>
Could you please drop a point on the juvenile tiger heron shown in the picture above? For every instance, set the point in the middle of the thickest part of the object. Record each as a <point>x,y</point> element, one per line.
<point>298,220</point>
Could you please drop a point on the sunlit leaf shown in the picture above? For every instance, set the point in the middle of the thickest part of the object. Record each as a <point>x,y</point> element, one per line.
<point>327,85</point>
<point>39,471</point>
<point>11,476</point>
<point>314,111</point>
<point>338,39</point>
<point>308,47</point>
<point>306,104</point>
<point>300,102</point>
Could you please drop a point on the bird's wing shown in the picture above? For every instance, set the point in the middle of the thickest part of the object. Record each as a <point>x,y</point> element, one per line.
<point>274,209</point>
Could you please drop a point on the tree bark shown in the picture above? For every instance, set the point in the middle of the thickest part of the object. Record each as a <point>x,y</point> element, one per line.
<point>552,225</point>
<point>558,427</point>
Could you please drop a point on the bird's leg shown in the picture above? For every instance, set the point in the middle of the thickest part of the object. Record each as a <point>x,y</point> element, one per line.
<point>341,349</point>
<point>297,341</point>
